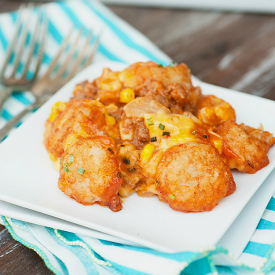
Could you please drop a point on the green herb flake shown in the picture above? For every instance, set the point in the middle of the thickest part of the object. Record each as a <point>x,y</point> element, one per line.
<point>126,160</point>
<point>173,63</point>
<point>132,170</point>
<point>161,126</point>
<point>205,136</point>
<point>122,145</point>
<point>66,169</point>
<point>71,159</point>
<point>80,171</point>
<point>153,139</point>
<point>150,121</point>
<point>166,134</point>
<point>172,196</point>
<point>160,65</point>
<point>194,132</point>
<point>119,175</point>
<point>110,150</point>
<point>157,182</point>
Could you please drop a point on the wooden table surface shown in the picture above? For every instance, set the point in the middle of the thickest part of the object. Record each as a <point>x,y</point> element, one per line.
<point>231,50</point>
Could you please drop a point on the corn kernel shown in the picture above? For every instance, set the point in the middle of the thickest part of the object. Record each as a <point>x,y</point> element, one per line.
<point>52,157</point>
<point>53,116</point>
<point>59,106</point>
<point>110,120</point>
<point>127,95</point>
<point>71,138</point>
<point>218,144</point>
<point>147,152</point>
<point>56,109</point>
<point>82,133</point>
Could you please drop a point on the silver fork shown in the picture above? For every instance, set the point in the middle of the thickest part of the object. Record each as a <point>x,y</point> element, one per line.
<point>46,86</point>
<point>22,83</point>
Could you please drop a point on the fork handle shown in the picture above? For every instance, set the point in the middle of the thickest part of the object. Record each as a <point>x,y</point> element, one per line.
<point>5,92</point>
<point>11,123</point>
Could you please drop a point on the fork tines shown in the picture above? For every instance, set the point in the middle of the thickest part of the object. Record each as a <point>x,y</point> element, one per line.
<point>79,55</point>
<point>30,32</point>
<point>72,57</point>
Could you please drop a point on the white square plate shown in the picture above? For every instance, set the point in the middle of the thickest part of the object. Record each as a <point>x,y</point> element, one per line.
<point>27,179</point>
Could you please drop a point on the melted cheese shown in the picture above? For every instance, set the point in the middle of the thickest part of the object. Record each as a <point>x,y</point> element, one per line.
<point>180,128</point>
<point>216,140</point>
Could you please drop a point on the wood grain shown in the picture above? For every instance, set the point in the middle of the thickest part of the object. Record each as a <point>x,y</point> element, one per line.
<point>231,50</point>
<point>227,49</point>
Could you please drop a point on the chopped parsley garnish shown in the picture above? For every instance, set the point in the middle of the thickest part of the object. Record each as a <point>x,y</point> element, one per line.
<point>157,182</point>
<point>205,136</point>
<point>172,196</point>
<point>153,139</point>
<point>194,132</point>
<point>150,121</point>
<point>110,150</point>
<point>80,171</point>
<point>126,160</point>
<point>173,63</point>
<point>66,169</point>
<point>71,159</point>
<point>122,145</point>
<point>132,170</point>
<point>166,134</point>
<point>161,126</point>
<point>119,175</point>
<point>160,65</point>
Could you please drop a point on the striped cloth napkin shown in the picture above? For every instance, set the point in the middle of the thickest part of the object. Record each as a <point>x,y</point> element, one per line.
<point>69,253</point>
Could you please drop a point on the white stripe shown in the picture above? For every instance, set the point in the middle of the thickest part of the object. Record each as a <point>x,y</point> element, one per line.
<point>251,260</point>
<point>32,240</point>
<point>269,215</point>
<point>93,22</point>
<point>135,35</point>
<point>13,106</point>
<point>71,261</point>
<point>143,262</point>
<point>264,236</point>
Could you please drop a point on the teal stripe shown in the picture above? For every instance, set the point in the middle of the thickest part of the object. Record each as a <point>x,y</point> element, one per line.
<point>71,15</point>
<point>21,224</point>
<point>257,249</point>
<point>20,97</point>
<point>62,265</point>
<point>179,257</point>
<point>14,16</point>
<point>226,270</point>
<point>79,252</point>
<point>198,267</point>
<point>3,40</point>
<point>6,115</point>
<point>264,224</point>
<point>271,204</point>
<point>46,59</point>
<point>54,32</point>
<point>126,270</point>
<point>108,54</point>
<point>122,35</point>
